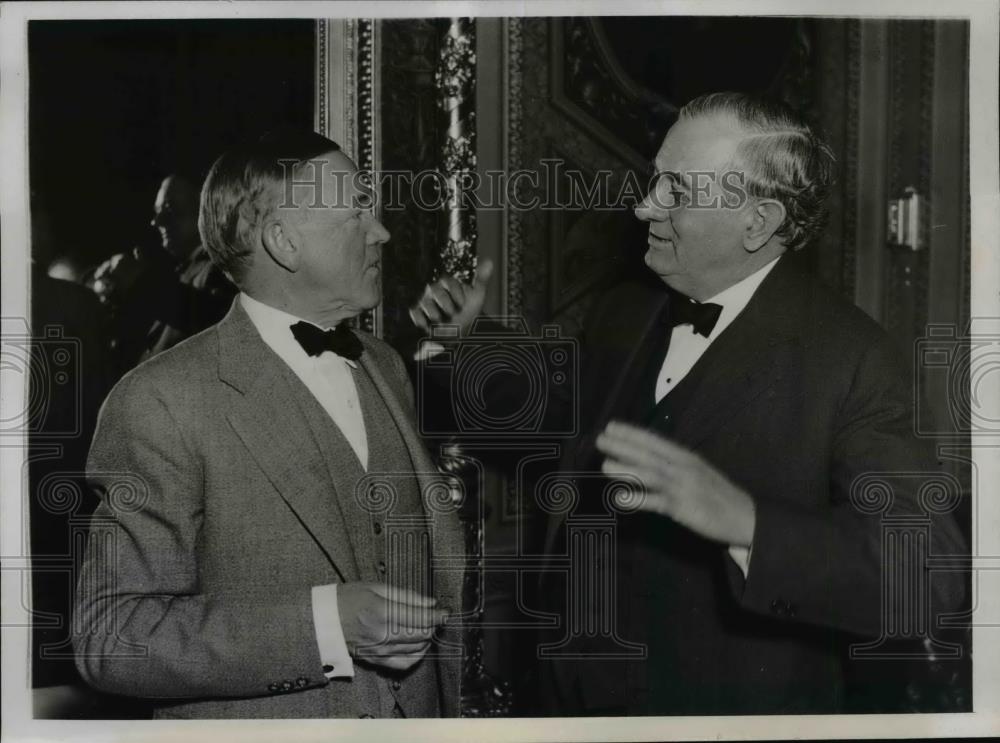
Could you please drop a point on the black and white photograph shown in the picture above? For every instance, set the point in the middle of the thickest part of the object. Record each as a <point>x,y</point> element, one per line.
<point>577,371</point>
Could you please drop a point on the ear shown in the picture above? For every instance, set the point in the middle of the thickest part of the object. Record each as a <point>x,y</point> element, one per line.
<point>279,241</point>
<point>765,217</point>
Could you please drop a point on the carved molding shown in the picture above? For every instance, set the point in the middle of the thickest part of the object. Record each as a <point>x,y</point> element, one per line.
<point>928,43</point>
<point>455,79</point>
<point>911,59</point>
<point>369,86</point>
<point>336,85</point>
<point>589,87</point>
<point>849,171</point>
<point>512,161</point>
<point>347,101</point>
<point>795,83</point>
<point>965,308</point>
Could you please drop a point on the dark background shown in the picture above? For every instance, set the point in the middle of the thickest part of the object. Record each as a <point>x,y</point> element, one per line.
<point>114,106</point>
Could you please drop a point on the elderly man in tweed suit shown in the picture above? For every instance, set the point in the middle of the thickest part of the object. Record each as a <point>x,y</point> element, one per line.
<point>271,471</point>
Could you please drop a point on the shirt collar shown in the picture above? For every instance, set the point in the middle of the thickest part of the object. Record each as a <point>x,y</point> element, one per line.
<point>735,298</point>
<point>274,326</point>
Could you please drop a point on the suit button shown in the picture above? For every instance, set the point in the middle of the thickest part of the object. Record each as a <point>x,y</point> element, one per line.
<point>366,716</point>
<point>396,685</point>
<point>792,610</point>
<point>377,527</point>
<point>286,686</point>
<point>273,688</point>
<point>301,682</point>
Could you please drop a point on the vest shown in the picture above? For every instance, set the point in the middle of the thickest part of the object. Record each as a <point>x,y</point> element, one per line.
<point>666,576</point>
<point>390,533</point>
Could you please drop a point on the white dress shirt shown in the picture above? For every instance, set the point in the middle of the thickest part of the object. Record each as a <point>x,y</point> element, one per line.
<point>330,378</point>
<point>687,346</point>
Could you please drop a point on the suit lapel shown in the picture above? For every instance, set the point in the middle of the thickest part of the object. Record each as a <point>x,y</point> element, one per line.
<point>743,362</point>
<point>622,368</point>
<point>446,541</point>
<point>280,441</point>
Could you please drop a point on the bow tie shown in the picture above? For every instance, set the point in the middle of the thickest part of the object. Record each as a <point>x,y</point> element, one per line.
<point>315,341</point>
<point>683,310</point>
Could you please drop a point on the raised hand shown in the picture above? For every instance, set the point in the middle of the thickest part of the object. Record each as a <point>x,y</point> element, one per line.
<point>117,276</point>
<point>679,484</point>
<point>387,626</point>
<point>450,301</point>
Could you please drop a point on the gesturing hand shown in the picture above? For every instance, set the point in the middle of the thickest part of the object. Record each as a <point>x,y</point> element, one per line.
<point>679,484</point>
<point>448,300</point>
<point>117,276</point>
<point>387,626</point>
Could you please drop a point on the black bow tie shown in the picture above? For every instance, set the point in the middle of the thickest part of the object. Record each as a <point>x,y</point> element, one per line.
<point>315,341</point>
<point>683,310</point>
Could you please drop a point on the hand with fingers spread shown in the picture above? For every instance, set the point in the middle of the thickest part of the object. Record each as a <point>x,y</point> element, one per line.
<point>679,484</point>
<point>387,626</point>
<point>450,301</point>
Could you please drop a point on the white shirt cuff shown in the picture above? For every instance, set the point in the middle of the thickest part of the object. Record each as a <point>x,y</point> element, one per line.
<point>741,556</point>
<point>329,634</point>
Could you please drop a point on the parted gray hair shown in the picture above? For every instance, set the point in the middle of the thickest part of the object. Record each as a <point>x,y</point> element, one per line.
<point>240,192</point>
<point>783,159</point>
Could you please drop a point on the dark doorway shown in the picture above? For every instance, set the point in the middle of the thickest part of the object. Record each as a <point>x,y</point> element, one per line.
<point>114,107</point>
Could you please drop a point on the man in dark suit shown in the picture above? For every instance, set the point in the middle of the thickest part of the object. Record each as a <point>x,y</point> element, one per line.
<point>159,297</point>
<point>259,481</point>
<point>751,405</point>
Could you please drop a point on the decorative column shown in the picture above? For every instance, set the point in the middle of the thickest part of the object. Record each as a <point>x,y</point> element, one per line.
<point>400,96</point>
<point>455,79</point>
<point>348,102</point>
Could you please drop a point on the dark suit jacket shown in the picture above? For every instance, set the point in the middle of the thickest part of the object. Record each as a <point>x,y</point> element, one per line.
<point>222,504</point>
<point>796,400</point>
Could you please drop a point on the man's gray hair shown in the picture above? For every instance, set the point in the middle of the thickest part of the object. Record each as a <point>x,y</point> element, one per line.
<point>240,191</point>
<point>783,159</point>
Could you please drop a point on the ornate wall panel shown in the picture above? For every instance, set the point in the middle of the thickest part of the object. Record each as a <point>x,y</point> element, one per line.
<point>580,105</point>
<point>348,84</point>
<point>407,102</point>
<point>513,133</point>
<point>835,94</point>
<point>911,75</point>
<point>413,129</point>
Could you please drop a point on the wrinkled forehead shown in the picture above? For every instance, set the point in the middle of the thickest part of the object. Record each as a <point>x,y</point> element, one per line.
<point>701,143</point>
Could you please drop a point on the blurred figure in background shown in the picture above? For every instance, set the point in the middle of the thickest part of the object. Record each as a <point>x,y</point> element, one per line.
<point>69,377</point>
<point>67,268</point>
<point>159,297</point>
